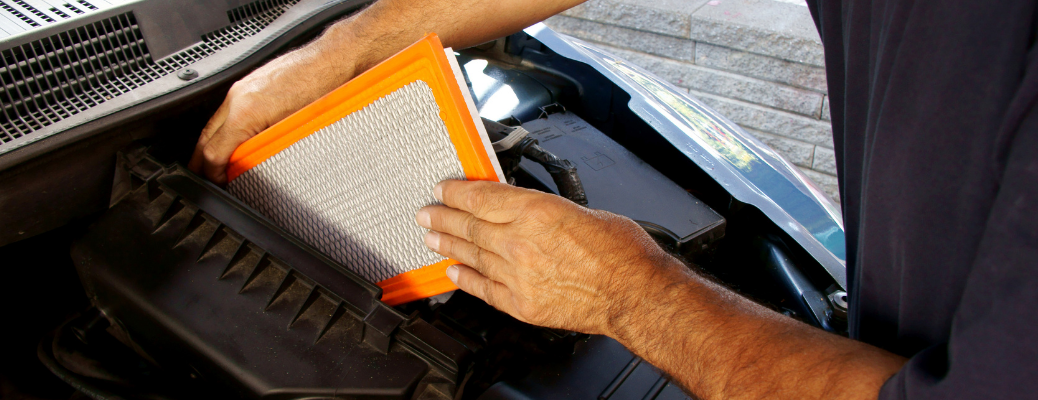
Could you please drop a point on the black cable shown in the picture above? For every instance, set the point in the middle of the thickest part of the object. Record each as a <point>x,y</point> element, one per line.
<point>563,172</point>
<point>78,382</point>
<point>83,355</point>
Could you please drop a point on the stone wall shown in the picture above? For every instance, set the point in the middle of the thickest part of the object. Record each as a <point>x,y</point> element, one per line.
<point>758,62</point>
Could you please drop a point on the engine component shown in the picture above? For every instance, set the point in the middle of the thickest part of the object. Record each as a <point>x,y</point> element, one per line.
<point>563,173</point>
<point>618,181</point>
<point>512,144</point>
<point>195,281</point>
<point>101,367</point>
<point>802,298</point>
<point>600,369</point>
<point>192,278</point>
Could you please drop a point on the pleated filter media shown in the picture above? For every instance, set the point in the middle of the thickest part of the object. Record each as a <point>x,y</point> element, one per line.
<point>324,190</point>
<point>348,173</point>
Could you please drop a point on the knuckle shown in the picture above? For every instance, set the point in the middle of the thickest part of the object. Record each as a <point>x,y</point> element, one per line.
<point>481,258</point>
<point>245,98</point>
<point>439,219</point>
<point>447,244</point>
<point>233,92</point>
<point>241,86</point>
<point>471,228</point>
<point>212,155</point>
<point>477,198</point>
<point>486,287</point>
<point>236,93</point>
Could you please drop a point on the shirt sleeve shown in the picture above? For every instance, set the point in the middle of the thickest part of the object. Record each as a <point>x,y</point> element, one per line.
<point>992,351</point>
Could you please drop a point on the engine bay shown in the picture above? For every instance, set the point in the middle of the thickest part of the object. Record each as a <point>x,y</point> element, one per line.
<point>138,279</point>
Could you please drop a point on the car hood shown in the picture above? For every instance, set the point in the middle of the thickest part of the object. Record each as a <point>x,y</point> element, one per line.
<point>749,170</point>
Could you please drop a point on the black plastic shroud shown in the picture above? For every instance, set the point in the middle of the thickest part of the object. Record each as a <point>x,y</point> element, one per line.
<point>201,281</point>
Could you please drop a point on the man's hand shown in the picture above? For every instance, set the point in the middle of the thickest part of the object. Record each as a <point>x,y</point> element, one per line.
<point>264,97</point>
<point>349,47</point>
<point>542,258</point>
<point>549,262</point>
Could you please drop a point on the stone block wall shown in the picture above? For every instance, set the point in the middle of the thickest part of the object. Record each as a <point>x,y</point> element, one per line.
<point>758,62</point>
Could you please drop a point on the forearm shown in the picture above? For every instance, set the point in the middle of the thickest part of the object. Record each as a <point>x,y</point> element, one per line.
<point>720,345</point>
<point>550,262</point>
<point>388,26</point>
<point>346,49</point>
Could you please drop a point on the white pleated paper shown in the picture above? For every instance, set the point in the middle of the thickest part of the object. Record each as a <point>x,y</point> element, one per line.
<point>351,189</point>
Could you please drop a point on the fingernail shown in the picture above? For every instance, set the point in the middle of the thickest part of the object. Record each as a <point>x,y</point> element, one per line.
<point>424,219</point>
<point>432,239</point>
<point>438,192</point>
<point>452,273</point>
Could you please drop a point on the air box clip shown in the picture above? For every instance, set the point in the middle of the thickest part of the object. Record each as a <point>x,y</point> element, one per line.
<point>379,325</point>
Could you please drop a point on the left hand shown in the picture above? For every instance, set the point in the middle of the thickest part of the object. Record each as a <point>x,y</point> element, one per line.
<point>544,259</point>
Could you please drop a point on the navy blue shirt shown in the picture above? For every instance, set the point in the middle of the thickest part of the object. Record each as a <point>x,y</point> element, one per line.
<point>935,121</point>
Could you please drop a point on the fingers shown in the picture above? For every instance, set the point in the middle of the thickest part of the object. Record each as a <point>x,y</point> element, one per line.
<point>218,150</point>
<point>491,201</point>
<point>466,226</point>
<point>485,261</point>
<point>211,127</point>
<point>494,293</point>
<point>218,140</point>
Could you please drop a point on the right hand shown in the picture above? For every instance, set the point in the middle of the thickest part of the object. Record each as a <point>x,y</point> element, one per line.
<point>547,261</point>
<point>261,99</point>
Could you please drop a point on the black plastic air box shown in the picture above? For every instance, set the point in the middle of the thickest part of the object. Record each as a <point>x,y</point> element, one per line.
<point>617,181</point>
<point>196,281</point>
<point>599,369</point>
<point>202,285</point>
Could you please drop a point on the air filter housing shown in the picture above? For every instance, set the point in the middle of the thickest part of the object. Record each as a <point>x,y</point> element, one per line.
<point>347,173</point>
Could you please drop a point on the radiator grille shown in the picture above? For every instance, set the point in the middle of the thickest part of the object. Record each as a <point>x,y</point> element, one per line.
<point>18,14</point>
<point>59,12</point>
<point>86,4</point>
<point>51,79</point>
<point>73,8</point>
<point>34,11</point>
<point>258,7</point>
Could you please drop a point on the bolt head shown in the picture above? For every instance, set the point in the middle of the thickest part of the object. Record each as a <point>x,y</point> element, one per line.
<point>838,299</point>
<point>187,74</point>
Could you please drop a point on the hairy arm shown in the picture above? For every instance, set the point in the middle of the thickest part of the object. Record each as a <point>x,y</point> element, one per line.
<point>347,48</point>
<point>721,345</point>
<point>549,262</point>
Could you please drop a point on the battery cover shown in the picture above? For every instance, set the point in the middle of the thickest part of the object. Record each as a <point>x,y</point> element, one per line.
<point>347,173</point>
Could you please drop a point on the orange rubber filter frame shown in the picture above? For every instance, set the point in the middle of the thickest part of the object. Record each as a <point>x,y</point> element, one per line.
<point>427,61</point>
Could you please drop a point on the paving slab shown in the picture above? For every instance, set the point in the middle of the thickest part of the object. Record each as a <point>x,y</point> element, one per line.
<point>648,42</point>
<point>763,67</point>
<point>770,120</point>
<point>825,161</point>
<point>797,152</point>
<point>794,21</point>
<point>668,17</point>
<point>827,183</point>
<point>804,102</point>
<point>755,40</point>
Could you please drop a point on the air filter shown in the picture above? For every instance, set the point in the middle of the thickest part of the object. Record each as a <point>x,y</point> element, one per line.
<point>347,173</point>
